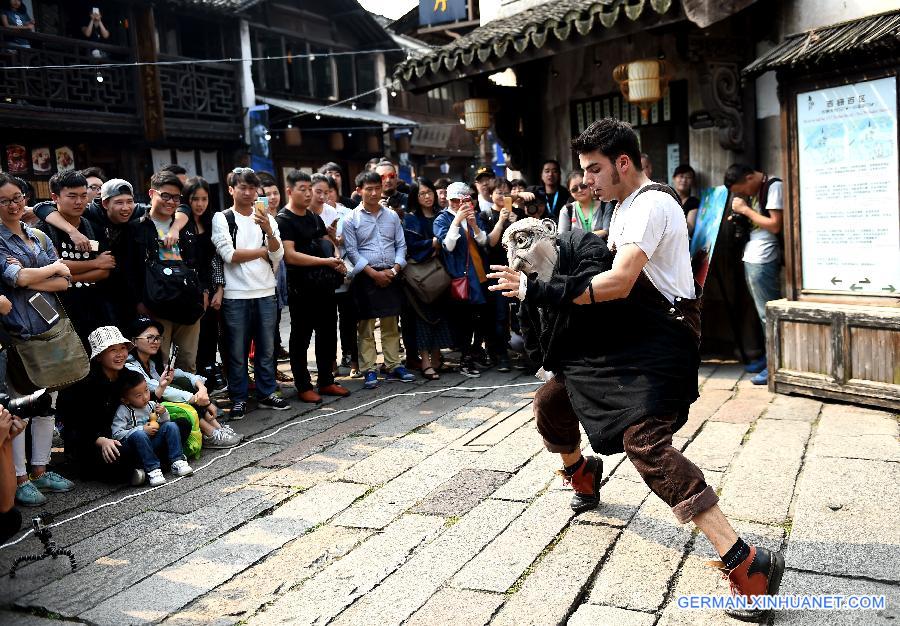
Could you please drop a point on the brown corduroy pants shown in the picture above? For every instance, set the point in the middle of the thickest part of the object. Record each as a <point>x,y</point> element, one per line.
<point>648,445</point>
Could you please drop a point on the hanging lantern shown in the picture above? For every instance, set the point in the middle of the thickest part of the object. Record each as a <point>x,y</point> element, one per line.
<point>403,143</point>
<point>643,83</point>
<point>292,136</point>
<point>373,145</point>
<point>476,115</point>
<point>336,141</point>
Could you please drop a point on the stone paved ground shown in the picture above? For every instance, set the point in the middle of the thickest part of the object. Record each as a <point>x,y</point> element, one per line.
<point>442,508</point>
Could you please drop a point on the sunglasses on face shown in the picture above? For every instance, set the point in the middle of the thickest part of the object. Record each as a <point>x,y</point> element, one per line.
<point>152,338</point>
<point>577,188</point>
<point>388,176</point>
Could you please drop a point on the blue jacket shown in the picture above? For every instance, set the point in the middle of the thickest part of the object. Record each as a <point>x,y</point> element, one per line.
<point>455,260</point>
<point>419,233</point>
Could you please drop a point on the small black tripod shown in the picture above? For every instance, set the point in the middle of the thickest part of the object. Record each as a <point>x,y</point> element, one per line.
<point>39,522</point>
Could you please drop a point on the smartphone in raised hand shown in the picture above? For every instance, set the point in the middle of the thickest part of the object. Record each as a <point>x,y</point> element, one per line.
<point>173,354</point>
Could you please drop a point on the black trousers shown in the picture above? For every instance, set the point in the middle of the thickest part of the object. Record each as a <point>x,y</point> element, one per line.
<point>208,341</point>
<point>347,311</point>
<point>309,314</point>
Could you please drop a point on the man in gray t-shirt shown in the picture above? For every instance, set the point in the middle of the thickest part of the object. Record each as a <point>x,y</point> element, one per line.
<point>762,253</point>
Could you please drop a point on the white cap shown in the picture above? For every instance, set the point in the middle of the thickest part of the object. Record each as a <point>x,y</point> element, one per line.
<point>104,337</point>
<point>458,191</point>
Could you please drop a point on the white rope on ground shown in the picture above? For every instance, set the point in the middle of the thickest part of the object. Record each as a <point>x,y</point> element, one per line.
<point>138,494</point>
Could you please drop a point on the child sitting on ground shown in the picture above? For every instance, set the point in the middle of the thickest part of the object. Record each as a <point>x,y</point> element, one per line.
<point>144,428</point>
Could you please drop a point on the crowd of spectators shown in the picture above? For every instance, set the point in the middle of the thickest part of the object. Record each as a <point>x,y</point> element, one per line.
<point>170,377</point>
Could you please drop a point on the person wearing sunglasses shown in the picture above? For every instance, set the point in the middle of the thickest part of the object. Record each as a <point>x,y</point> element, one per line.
<point>585,212</point>
<point>390,194</point>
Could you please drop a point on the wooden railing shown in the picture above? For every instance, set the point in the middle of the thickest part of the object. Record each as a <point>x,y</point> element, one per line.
<point>66,88</point>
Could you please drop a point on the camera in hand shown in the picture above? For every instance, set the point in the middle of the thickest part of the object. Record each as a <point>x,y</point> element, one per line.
<point>37,403</point>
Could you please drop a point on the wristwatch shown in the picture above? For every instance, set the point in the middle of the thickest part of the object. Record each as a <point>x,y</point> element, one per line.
<point>393,271</point>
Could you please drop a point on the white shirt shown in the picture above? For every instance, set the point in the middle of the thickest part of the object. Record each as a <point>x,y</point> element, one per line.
<point>655,223</point>
<point>253,279</point>
<point>763,246</point>
<point>329,214</point>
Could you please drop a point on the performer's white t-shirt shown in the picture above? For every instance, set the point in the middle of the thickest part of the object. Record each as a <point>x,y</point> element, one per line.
<point>655,223</point>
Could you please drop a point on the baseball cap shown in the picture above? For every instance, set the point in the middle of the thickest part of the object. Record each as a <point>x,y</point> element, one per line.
<point>115,187</point>
<point>458,191</point>
<point>485,171</point>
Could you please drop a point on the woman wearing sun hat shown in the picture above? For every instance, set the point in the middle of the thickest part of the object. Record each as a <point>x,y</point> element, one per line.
<point>86,409</point>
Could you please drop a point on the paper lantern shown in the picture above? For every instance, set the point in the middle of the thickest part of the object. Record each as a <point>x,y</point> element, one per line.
<point>336,141</point>
<point>292,137</point>
<point>643,82</point>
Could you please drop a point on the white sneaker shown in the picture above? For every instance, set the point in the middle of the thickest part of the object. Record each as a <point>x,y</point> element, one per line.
<point>220,438</point>
<point>181,468</point>
<point>156,477</point>
<point>138,477</point>
<point>228,429</point>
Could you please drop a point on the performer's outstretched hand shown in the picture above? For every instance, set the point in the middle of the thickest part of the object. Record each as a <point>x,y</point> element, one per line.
<point>508,280</point>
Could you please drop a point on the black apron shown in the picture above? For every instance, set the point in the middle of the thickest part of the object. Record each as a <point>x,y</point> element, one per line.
<point>647,366</point>
<point>373,301</point>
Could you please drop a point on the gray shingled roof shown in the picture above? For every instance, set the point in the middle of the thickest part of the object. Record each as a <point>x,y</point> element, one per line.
<point>530,28</point>
<point>872,35</point>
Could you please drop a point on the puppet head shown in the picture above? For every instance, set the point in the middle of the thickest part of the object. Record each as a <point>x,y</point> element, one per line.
<point>531,247</point>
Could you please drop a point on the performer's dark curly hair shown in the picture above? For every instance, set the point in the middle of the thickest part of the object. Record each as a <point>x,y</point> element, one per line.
<point>611,137</point>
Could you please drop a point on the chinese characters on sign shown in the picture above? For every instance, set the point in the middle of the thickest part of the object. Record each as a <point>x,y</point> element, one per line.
<point>849,205</point>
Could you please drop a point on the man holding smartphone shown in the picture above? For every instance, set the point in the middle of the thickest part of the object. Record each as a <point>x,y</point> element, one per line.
<point>250,246</point>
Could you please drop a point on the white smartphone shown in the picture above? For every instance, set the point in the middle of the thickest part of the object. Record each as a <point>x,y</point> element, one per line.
<point>95,245</point>
<point>96,11</point>
<point>44,308</point>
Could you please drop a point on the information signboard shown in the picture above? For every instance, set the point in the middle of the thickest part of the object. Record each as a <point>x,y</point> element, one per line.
<point>849,204</point>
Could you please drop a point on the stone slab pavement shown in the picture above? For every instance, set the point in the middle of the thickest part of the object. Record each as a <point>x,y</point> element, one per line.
<point>434,503</point>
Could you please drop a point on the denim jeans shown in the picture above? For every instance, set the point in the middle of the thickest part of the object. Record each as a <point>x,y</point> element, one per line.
<point>764,282</point>
<point>246,320</point>
<point>146,448</point>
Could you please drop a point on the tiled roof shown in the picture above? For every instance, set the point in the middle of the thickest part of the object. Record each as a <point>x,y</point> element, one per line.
<point>528,29</point>
<point>219,6</point>
<point>875,34</point>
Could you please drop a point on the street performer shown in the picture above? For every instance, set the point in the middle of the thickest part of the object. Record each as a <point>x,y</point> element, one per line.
<point>632,384</point>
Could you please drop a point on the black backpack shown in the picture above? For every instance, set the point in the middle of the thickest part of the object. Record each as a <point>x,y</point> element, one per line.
<point>171,288</point>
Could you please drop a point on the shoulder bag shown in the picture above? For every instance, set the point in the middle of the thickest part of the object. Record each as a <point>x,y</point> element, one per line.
<point>51,360</point>
<point>427,280</point>
<point>171,288</point>
<point>459,287</point>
